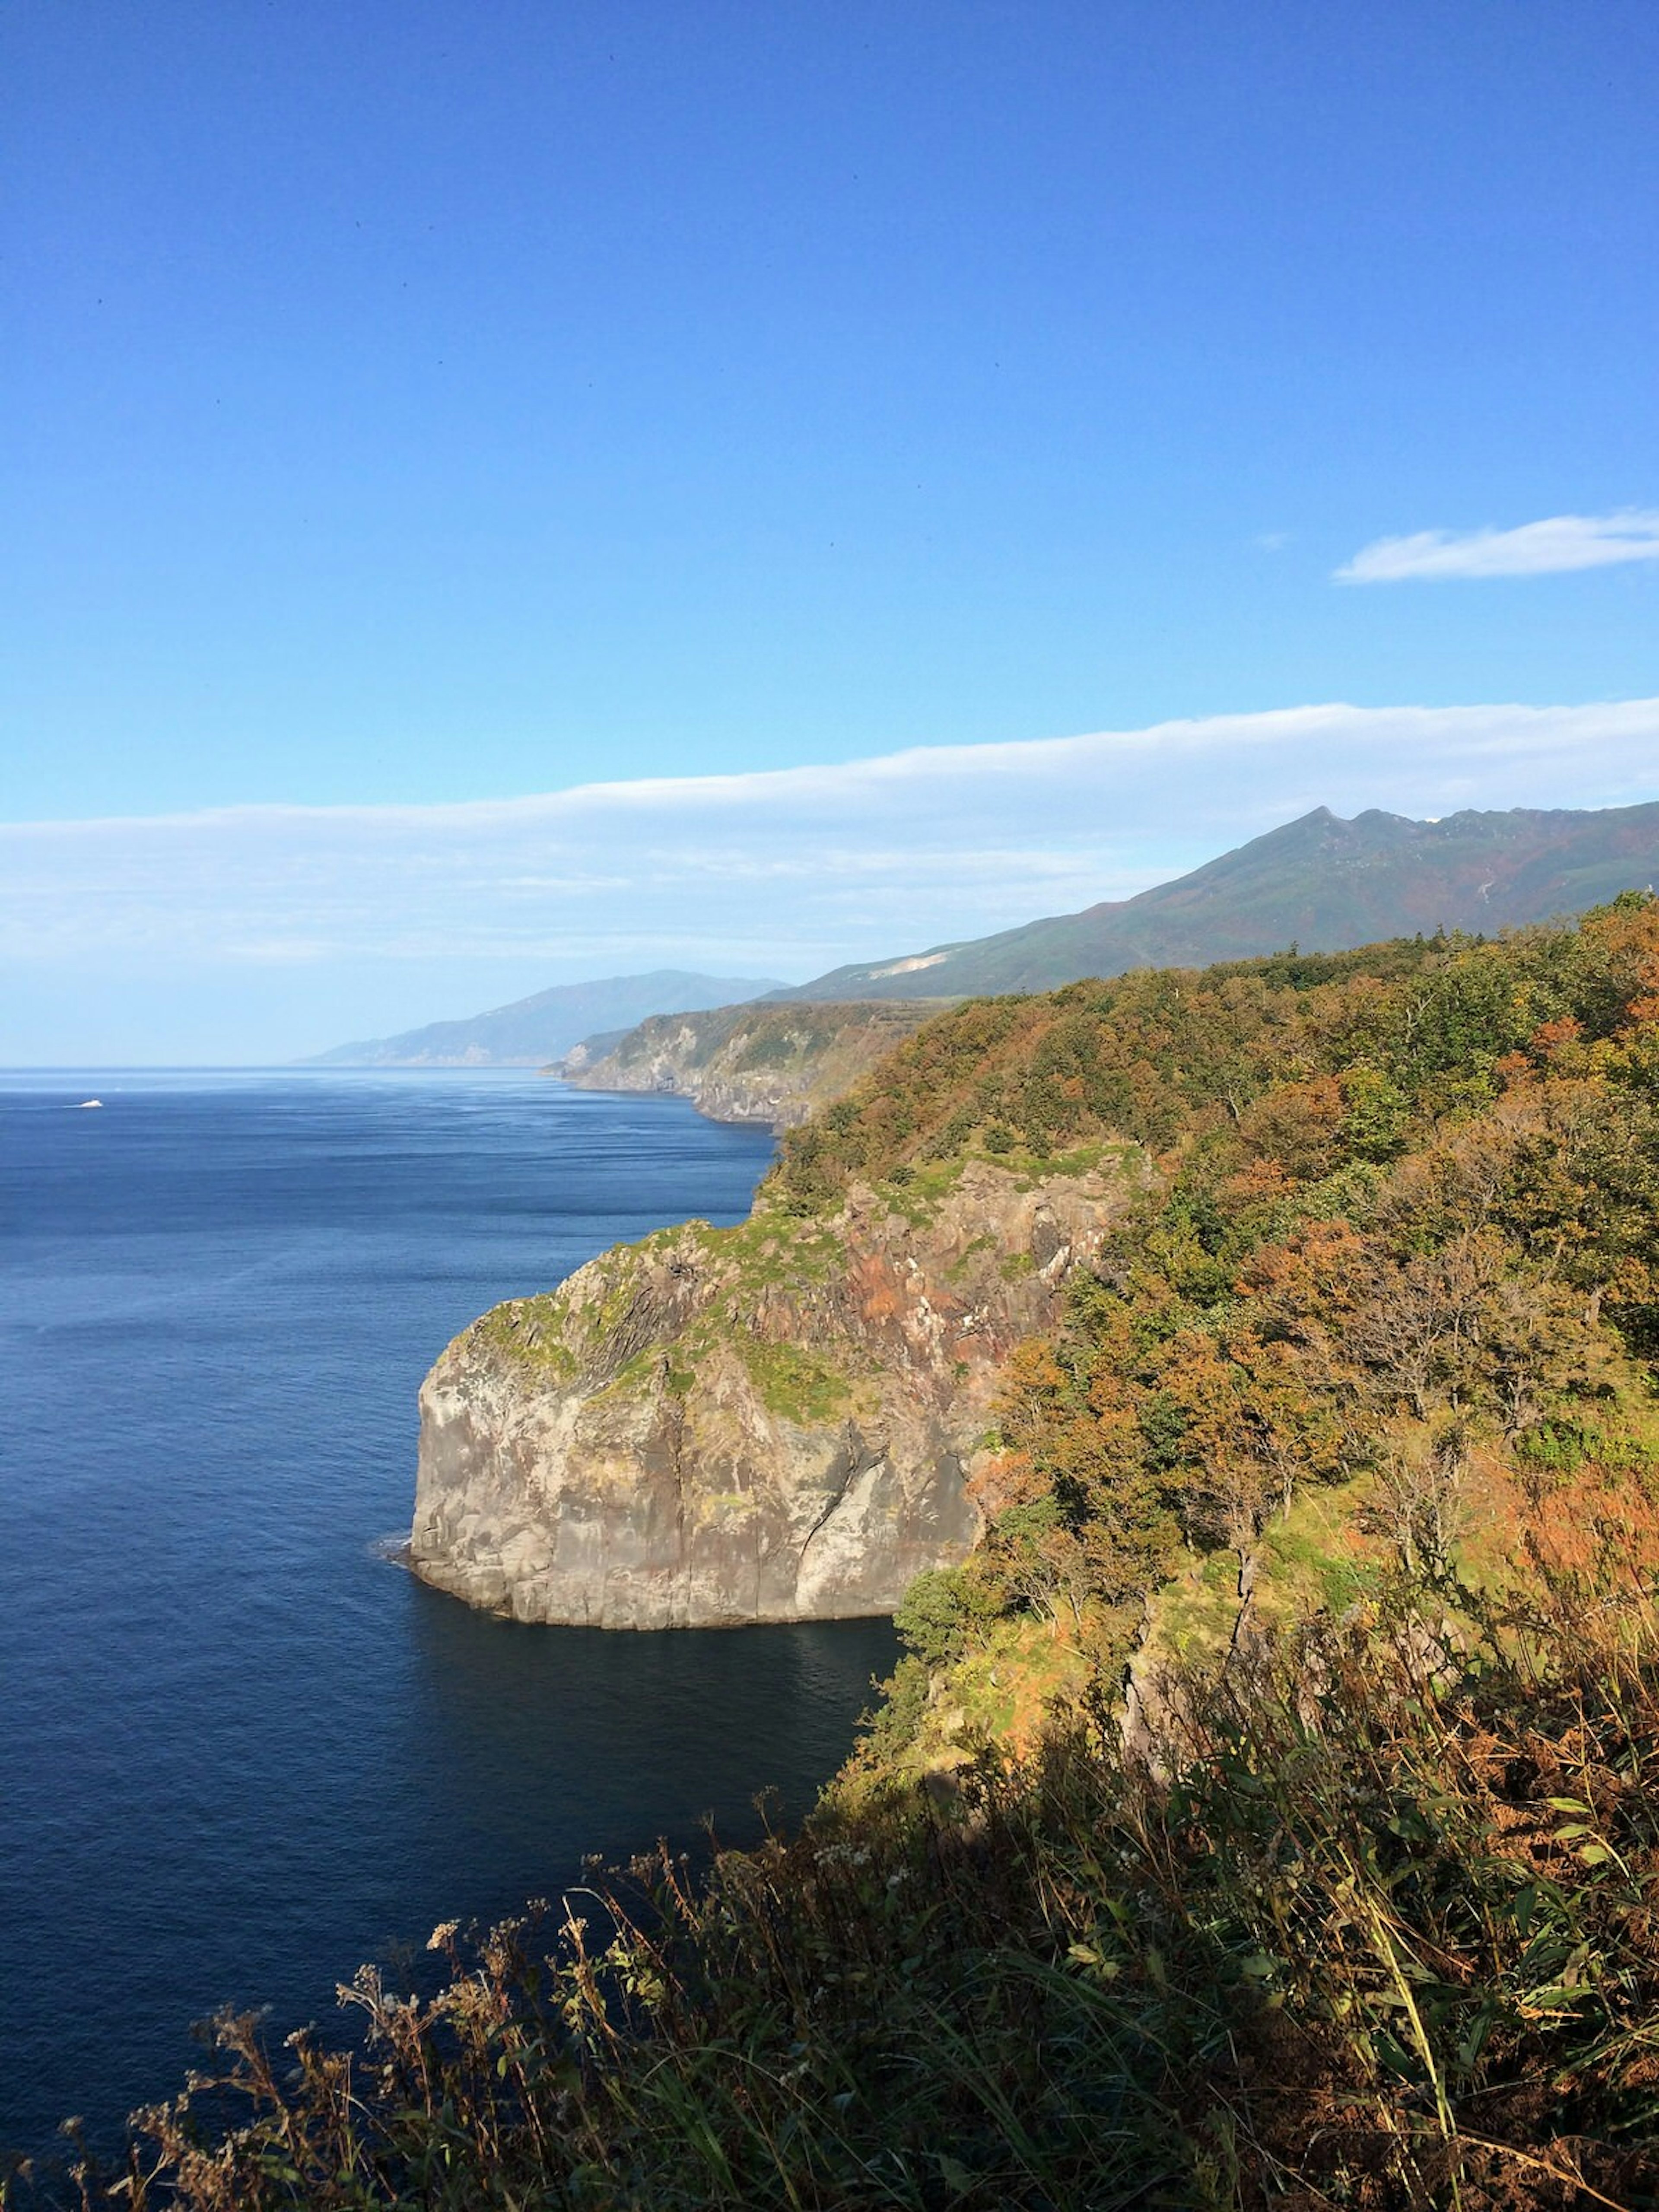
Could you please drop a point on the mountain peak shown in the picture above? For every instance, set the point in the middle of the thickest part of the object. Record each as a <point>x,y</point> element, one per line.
<point>1320,882</point>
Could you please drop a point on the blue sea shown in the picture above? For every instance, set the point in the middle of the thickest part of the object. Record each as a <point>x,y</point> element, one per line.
<point>241,1748</point>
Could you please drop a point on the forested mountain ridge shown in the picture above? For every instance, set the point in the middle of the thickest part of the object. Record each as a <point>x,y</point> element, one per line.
<point>1344,1448</point>
<point>1319,881</point>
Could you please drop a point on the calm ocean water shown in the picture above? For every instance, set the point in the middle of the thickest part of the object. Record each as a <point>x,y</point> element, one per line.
<point>239,1750</point>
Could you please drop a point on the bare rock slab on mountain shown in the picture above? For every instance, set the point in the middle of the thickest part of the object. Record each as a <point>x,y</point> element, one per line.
<point>776,1422</point>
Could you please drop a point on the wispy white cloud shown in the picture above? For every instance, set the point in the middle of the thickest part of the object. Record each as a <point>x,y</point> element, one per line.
<point>784,872</point>
<point>1533,549</point>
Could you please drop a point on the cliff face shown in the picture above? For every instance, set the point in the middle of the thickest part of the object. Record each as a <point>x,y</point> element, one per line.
<point>749,1063</point>
<point>769,1423</point>
<point>532,1030</point>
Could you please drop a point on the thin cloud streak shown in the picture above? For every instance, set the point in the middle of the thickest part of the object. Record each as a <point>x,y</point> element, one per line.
<point>950,841</point>
<point>370,912</point>
<point>851,786</point>
<point>1552,547</point>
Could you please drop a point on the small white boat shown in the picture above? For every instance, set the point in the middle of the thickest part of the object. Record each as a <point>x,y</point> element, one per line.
<point>85,1103</point>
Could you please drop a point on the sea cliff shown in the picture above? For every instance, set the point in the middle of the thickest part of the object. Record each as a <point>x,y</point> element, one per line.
<point>768,1063</point>
<point>775,1422</point>
<point>1343,1450</point>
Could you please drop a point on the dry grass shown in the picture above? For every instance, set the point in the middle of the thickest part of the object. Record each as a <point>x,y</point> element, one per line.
<point>1388,1936</point>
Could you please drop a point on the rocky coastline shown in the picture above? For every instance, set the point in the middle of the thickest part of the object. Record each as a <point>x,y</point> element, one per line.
<point>776,1422</point>
<point>776,1064</point>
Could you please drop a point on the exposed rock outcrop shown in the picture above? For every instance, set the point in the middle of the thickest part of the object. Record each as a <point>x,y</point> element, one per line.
<point>775,1422</point>
<point>748,1063</point>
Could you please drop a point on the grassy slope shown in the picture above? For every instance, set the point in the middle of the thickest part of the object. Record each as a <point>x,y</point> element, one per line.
<point>1376,1925</point>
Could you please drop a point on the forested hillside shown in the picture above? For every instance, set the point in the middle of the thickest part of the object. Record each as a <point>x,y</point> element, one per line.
<point>1267,1813</point>
<point>1404,1211</point>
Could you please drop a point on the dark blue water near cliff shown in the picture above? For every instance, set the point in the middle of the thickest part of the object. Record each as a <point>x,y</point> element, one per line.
<point>239,1750</point>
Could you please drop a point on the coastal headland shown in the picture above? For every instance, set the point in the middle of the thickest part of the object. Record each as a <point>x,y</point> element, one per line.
<point>775,1422</point>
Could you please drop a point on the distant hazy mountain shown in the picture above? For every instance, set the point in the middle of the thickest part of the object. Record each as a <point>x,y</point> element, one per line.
<point>534,1030</point>
<point>1320,882</point>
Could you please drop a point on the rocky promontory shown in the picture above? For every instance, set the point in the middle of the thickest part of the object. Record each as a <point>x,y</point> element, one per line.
<point>763,1062</point>
<point>774,1422</point>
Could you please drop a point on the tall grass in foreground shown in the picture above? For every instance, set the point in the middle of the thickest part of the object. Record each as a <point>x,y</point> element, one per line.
<point>1387,1933</point>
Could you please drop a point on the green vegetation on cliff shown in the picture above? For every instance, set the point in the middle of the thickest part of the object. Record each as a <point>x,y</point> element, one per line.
<point>1345,1460</point>
<point>622,1323</point>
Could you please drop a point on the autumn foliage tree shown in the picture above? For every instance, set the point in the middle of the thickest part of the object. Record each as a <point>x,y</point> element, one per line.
<point>1422,1189</point>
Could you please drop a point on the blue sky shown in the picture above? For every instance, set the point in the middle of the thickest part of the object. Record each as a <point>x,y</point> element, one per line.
<point>410,405</point>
